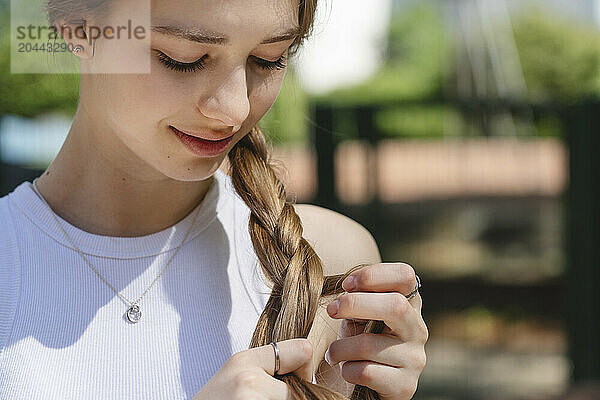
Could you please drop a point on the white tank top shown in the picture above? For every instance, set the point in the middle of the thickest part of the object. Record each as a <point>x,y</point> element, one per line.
<point>63,333</point>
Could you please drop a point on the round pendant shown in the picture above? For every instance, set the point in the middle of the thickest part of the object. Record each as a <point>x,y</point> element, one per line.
<point>134,314</point>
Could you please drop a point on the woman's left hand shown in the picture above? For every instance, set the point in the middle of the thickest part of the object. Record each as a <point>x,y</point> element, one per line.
<point>389,362</point>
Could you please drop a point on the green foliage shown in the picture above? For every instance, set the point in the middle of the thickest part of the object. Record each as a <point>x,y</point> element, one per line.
<point>560,58</point>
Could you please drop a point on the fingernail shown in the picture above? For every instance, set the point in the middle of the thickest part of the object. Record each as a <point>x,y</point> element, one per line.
<point>349,283</point>
<point>333,307</point>
<point>328,359</point>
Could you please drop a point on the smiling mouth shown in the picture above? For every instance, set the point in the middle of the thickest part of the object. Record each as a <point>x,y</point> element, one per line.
<point>200,146</point>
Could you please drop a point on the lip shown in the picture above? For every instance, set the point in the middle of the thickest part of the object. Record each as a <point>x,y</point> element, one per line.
<point>206,134</point>
<point>200,146</point>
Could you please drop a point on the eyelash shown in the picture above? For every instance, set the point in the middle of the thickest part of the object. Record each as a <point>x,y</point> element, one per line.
<point>199,64</point>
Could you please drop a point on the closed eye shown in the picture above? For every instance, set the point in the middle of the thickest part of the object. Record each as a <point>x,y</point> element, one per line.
<point>198,65</point>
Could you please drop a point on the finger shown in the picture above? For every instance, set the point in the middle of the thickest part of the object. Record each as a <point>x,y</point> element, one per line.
<point>385,277</point>
<point>382,349</point>
<point>392,308</point>
<point>422,328</point>
<point>382,277</point>
<point>295,355</point>
<point>388,382</point>
<point>417,302</point>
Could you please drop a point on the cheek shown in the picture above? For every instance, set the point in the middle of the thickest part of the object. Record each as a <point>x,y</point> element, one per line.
<point>263,95</point>
<point>138,102</point>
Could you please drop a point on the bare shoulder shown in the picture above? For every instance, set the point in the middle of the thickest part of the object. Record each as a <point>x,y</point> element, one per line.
<point>340,241</point>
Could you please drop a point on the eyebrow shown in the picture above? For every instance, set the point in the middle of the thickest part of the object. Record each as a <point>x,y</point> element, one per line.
<point>203,36</point>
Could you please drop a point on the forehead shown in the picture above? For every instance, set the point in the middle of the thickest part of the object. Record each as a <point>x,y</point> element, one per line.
<point>233,18</point>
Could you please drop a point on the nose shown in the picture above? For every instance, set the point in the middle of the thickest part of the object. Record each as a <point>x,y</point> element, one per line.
<point>228,102</point>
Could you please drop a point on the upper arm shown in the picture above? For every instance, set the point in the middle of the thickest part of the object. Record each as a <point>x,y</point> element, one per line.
<point>341,243</point>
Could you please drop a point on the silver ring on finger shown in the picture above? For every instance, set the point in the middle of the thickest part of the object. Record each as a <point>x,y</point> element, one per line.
<point>414,292</point>
<point>276,349</point>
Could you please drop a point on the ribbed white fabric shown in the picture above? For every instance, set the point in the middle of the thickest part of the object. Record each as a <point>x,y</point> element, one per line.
<point>63,333</point>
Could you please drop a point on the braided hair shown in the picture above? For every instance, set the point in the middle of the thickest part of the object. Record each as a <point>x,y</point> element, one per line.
<point>287,260</point>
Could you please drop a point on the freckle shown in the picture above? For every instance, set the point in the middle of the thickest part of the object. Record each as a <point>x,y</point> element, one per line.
<point>189,169</point>
<point>123,178</point>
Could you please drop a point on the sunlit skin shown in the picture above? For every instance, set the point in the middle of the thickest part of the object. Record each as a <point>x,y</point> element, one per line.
<point>122,172</point>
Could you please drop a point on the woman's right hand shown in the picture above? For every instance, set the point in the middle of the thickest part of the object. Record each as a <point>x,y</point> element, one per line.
<point>248,375</point>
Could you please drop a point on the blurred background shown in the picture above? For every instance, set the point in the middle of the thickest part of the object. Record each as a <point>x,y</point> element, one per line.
<point>463,134</point>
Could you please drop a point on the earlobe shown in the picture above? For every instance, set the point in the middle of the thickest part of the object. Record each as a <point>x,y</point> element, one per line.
<point>78,40</point>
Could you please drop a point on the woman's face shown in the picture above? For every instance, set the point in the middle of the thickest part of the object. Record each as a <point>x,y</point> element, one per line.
<point>228,92</point>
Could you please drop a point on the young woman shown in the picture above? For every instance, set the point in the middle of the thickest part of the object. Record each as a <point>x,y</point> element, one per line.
<point>135,268</point>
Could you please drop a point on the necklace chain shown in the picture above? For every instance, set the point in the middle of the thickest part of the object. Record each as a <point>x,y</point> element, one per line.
<point>133,305</point>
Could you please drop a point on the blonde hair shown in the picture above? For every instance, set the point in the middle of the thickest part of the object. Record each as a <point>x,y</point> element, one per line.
<point>287,260</point>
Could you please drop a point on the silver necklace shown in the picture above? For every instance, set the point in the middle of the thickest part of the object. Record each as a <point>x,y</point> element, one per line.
<point>133,313</point>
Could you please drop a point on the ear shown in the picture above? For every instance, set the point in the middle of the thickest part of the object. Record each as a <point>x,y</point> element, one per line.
<point>77,34</point>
